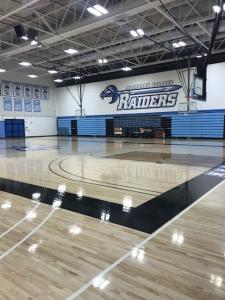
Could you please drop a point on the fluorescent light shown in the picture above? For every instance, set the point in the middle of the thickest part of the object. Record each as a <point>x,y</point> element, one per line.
<point>224,6</point>
<point>77,77</point>
<point>216,9</point>
<point>24,37</point>
<point>52,71</point>
<point>58,80</point>
<point>176,45</point>
<point>34,43</point>
<point>133,33</point>
<point>71,51</point>
<point>126,69</point>
<point>101,9</point>
<point>32,76</point>
<point>182,44</point>
<point>140,32</point>
<point>2,70</point>
<point>199,56</point>
<point>205,54</point>
<point>25,64</point>
<point>94,11</point>
<point>103,61</point>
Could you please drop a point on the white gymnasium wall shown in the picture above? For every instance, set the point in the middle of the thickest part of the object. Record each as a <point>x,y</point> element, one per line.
<point>94,105</point>
<point>36,123</point>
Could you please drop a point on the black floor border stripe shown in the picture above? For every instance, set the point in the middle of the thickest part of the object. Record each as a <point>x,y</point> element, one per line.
<point>147,217</point>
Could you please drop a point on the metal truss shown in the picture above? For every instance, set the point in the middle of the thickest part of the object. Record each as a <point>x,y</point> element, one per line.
<point>66,24</point>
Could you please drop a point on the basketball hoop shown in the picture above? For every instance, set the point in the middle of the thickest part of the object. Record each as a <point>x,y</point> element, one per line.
<point>187,107</point>
<point>80,113</point>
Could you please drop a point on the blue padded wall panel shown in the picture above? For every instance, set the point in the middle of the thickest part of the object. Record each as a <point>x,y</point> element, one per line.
<point>2,129</point>
<point>64,125</point>
<point>91,126</point>
<point>205,125</point>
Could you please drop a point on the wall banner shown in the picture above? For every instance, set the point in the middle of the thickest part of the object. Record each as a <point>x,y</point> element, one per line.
<point>17,89</point>
<point>7,101</point>
<point>36,106</point>
<point>36,92</point>
<point>44,93</point>
<point>18,104</point>
<point>6,88</point>
<point>27,91</point>
<point>27,105</point>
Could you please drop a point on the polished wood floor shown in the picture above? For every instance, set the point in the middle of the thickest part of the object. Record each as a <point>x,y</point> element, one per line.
<point>51,253</point>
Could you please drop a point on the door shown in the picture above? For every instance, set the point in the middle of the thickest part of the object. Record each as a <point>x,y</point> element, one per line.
<point>109,127</point>
<point>74,127</point>
<point>166,126</point>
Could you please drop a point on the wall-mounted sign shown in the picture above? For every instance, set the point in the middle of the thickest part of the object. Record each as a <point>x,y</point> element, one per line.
<point>7,101</point>
<point>45,93</point>
<point>17,104</point>
<point>145,98</point>
<point>27,91</point>
<point>36,92</point>
<point>27,105</point>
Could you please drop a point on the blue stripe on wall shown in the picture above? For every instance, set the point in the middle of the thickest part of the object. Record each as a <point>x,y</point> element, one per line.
<point>2,129</point>
<point>209,125</point>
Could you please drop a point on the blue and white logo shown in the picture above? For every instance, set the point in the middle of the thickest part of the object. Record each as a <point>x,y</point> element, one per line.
<point>155,97</point>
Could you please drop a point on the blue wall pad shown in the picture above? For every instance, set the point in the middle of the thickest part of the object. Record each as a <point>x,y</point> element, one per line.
<point>91,126</point>
<point>64,125</point>
<point>2,129</point>
<point>207,125</point>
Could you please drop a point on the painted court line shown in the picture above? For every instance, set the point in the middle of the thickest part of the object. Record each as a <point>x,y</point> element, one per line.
<point>19,222</point>
<point>28,235</point>
<point>125,256</point>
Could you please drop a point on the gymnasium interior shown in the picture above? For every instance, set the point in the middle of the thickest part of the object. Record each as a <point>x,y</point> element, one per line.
<point>112,148</point>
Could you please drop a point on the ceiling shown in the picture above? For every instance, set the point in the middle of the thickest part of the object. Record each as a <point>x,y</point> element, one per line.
<point>63,24</point>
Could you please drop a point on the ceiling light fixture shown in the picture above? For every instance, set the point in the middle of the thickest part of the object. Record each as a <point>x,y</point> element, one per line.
<point>32,76</point>
<point>103,61</point>
<point>25,64</point>
<point>179,44</point>
<point>58,80</point>
<point>138,32</point>
<point>77,77</point>
<point>126,69</point>
<point>97,10</point>
<point>2,70</point>
<point>52,71</point>
<point>182,44</point>
<point>24,37</point>
<point>71,51</point>
<point>216,9</point>
<point>34,43</point>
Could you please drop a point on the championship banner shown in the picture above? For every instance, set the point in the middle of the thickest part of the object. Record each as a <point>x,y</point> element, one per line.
<point>36,92</point>
<point>17,89</point>
<point>27,91</point>
<point>27,105</point>
<point>36,106</point>
<point>6,88</point>
<point>7,101</point>
<point>17,104</point>
<point>44,93</point>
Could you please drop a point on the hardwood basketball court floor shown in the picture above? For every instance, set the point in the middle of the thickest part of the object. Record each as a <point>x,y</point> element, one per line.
<point>98,218</point>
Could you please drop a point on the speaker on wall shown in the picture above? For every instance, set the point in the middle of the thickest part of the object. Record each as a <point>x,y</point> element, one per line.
<point>20,30</point>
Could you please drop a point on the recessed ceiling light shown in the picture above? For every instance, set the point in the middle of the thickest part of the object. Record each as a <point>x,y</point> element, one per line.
<point>101,9</point>
<point>126,69</point>
<point>216,9</point>
<point>24,37</point>
<point>71,51</point>
<point>199,56</point>
<point>34,43</point>
<point>52,71</point>
<point>32,76</point>
<point>58,80</point>
<point>176,45</point>
<point>25,64</point>
<point>140,32</point>
<point>2,70</point>
<point>77,77</point>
